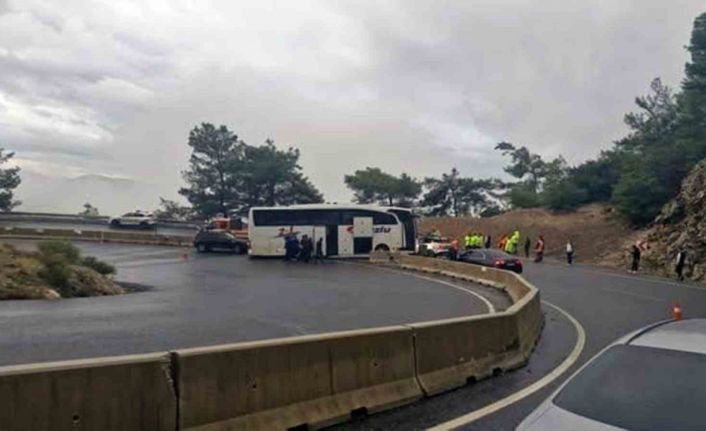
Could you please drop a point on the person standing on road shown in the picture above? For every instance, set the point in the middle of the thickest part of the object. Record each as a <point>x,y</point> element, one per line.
<point>636,253</point>
<point>488,241</point>
<point>306,246</point>
<point>319,253</point>
<point>528,244</point>
<point>291,247</point>
<point>539,249</point>
<point>452,252</point>
<point>679,266</point>
<point>569,252</point>
<point>512,243</point>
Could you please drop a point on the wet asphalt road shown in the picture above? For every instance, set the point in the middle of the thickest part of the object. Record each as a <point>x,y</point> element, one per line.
<point>220,298</point>
<point>607,303</point>
<point>256,299</point>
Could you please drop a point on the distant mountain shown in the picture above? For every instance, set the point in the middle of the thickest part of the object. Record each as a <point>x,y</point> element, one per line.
<point>111,195</point>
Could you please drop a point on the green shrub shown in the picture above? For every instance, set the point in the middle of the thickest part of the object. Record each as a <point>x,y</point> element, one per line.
<point>99,266</point>
<point>57,258</point>
<point>523,196</point>
<point>63,249</point>
<point>564,195</point>
<point>56,272</point>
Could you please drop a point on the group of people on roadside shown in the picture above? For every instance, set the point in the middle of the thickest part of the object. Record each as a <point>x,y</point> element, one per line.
<point>303,250</point>
<point>509,243</point>
<point>640,246</point>
<point>476,240</point>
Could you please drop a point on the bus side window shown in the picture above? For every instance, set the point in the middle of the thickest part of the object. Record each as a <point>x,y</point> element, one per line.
<point>382,218</point>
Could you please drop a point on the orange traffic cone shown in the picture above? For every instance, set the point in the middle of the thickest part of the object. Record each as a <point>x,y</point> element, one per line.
<point>677,311</point>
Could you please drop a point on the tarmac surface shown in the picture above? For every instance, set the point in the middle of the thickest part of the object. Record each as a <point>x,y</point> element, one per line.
<point>607,303</point>
<point>209,299</point>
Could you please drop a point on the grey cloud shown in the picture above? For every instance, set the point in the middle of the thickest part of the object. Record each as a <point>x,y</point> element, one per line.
<point>407,86</point>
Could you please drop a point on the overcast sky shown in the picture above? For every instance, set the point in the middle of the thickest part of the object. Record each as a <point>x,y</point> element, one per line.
<point>113,87</point>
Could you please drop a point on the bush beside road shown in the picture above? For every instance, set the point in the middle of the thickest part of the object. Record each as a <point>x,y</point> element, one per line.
<point>56,270</point>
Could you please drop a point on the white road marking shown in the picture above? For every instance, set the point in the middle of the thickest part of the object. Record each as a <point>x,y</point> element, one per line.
<point>489,305</point>
<point>529,390</point>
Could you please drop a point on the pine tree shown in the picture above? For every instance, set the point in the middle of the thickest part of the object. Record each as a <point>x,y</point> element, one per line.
<point>9,180</point>
<point>691,131</point>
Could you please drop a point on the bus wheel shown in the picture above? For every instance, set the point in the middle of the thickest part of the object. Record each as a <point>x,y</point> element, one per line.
<point>382,247</point>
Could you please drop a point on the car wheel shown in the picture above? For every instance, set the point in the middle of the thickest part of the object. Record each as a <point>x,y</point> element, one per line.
<point>144,225</point>
<point>238,248</point>
<point>201,247</point>
<point>115,222</point>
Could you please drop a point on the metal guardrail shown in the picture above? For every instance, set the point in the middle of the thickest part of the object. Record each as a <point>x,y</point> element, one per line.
<point>92,235</point>
<point>81,219</point>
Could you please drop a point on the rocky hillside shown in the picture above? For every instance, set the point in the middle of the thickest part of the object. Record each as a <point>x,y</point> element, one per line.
<point>681,226</point>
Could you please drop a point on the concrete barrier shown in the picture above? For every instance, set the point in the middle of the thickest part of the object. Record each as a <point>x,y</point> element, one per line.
<point>450,352</point>
<point>122,393</point>
<point>311,380</point>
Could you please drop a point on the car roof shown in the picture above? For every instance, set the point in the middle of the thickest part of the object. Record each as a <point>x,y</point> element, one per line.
<point>491,252</point>
<point>687,335</point>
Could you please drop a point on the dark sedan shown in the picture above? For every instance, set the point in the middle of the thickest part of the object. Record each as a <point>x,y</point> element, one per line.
<point>217,239</point>
<point>492,258</point>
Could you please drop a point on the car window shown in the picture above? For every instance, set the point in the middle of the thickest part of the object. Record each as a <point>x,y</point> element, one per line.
<point>640,388</point>
<point>475,254</point>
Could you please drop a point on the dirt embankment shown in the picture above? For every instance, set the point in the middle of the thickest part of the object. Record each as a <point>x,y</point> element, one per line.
<point>31,275</point>
<point>595,230</point>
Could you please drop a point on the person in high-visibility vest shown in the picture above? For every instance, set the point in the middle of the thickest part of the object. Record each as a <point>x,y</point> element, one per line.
<point>513,242</point>
<point>468,240</point>
<point>478,240</point>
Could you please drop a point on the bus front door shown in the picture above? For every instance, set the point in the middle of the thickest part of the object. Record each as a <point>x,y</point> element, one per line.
<point>331,240</point>
<point>362,235</point>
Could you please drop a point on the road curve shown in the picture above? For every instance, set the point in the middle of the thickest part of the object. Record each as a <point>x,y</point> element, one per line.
<point>607,303</point>
<point>222,298</point>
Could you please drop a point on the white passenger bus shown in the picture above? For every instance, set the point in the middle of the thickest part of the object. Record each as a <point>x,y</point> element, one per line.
<point>347,230</point>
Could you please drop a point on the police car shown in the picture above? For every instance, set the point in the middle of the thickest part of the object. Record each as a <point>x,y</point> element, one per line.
<point>135,219</point>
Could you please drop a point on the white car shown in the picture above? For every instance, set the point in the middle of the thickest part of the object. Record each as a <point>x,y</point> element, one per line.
<point>136,218</point>
<point>650,380</point>
<point>433,247</point>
